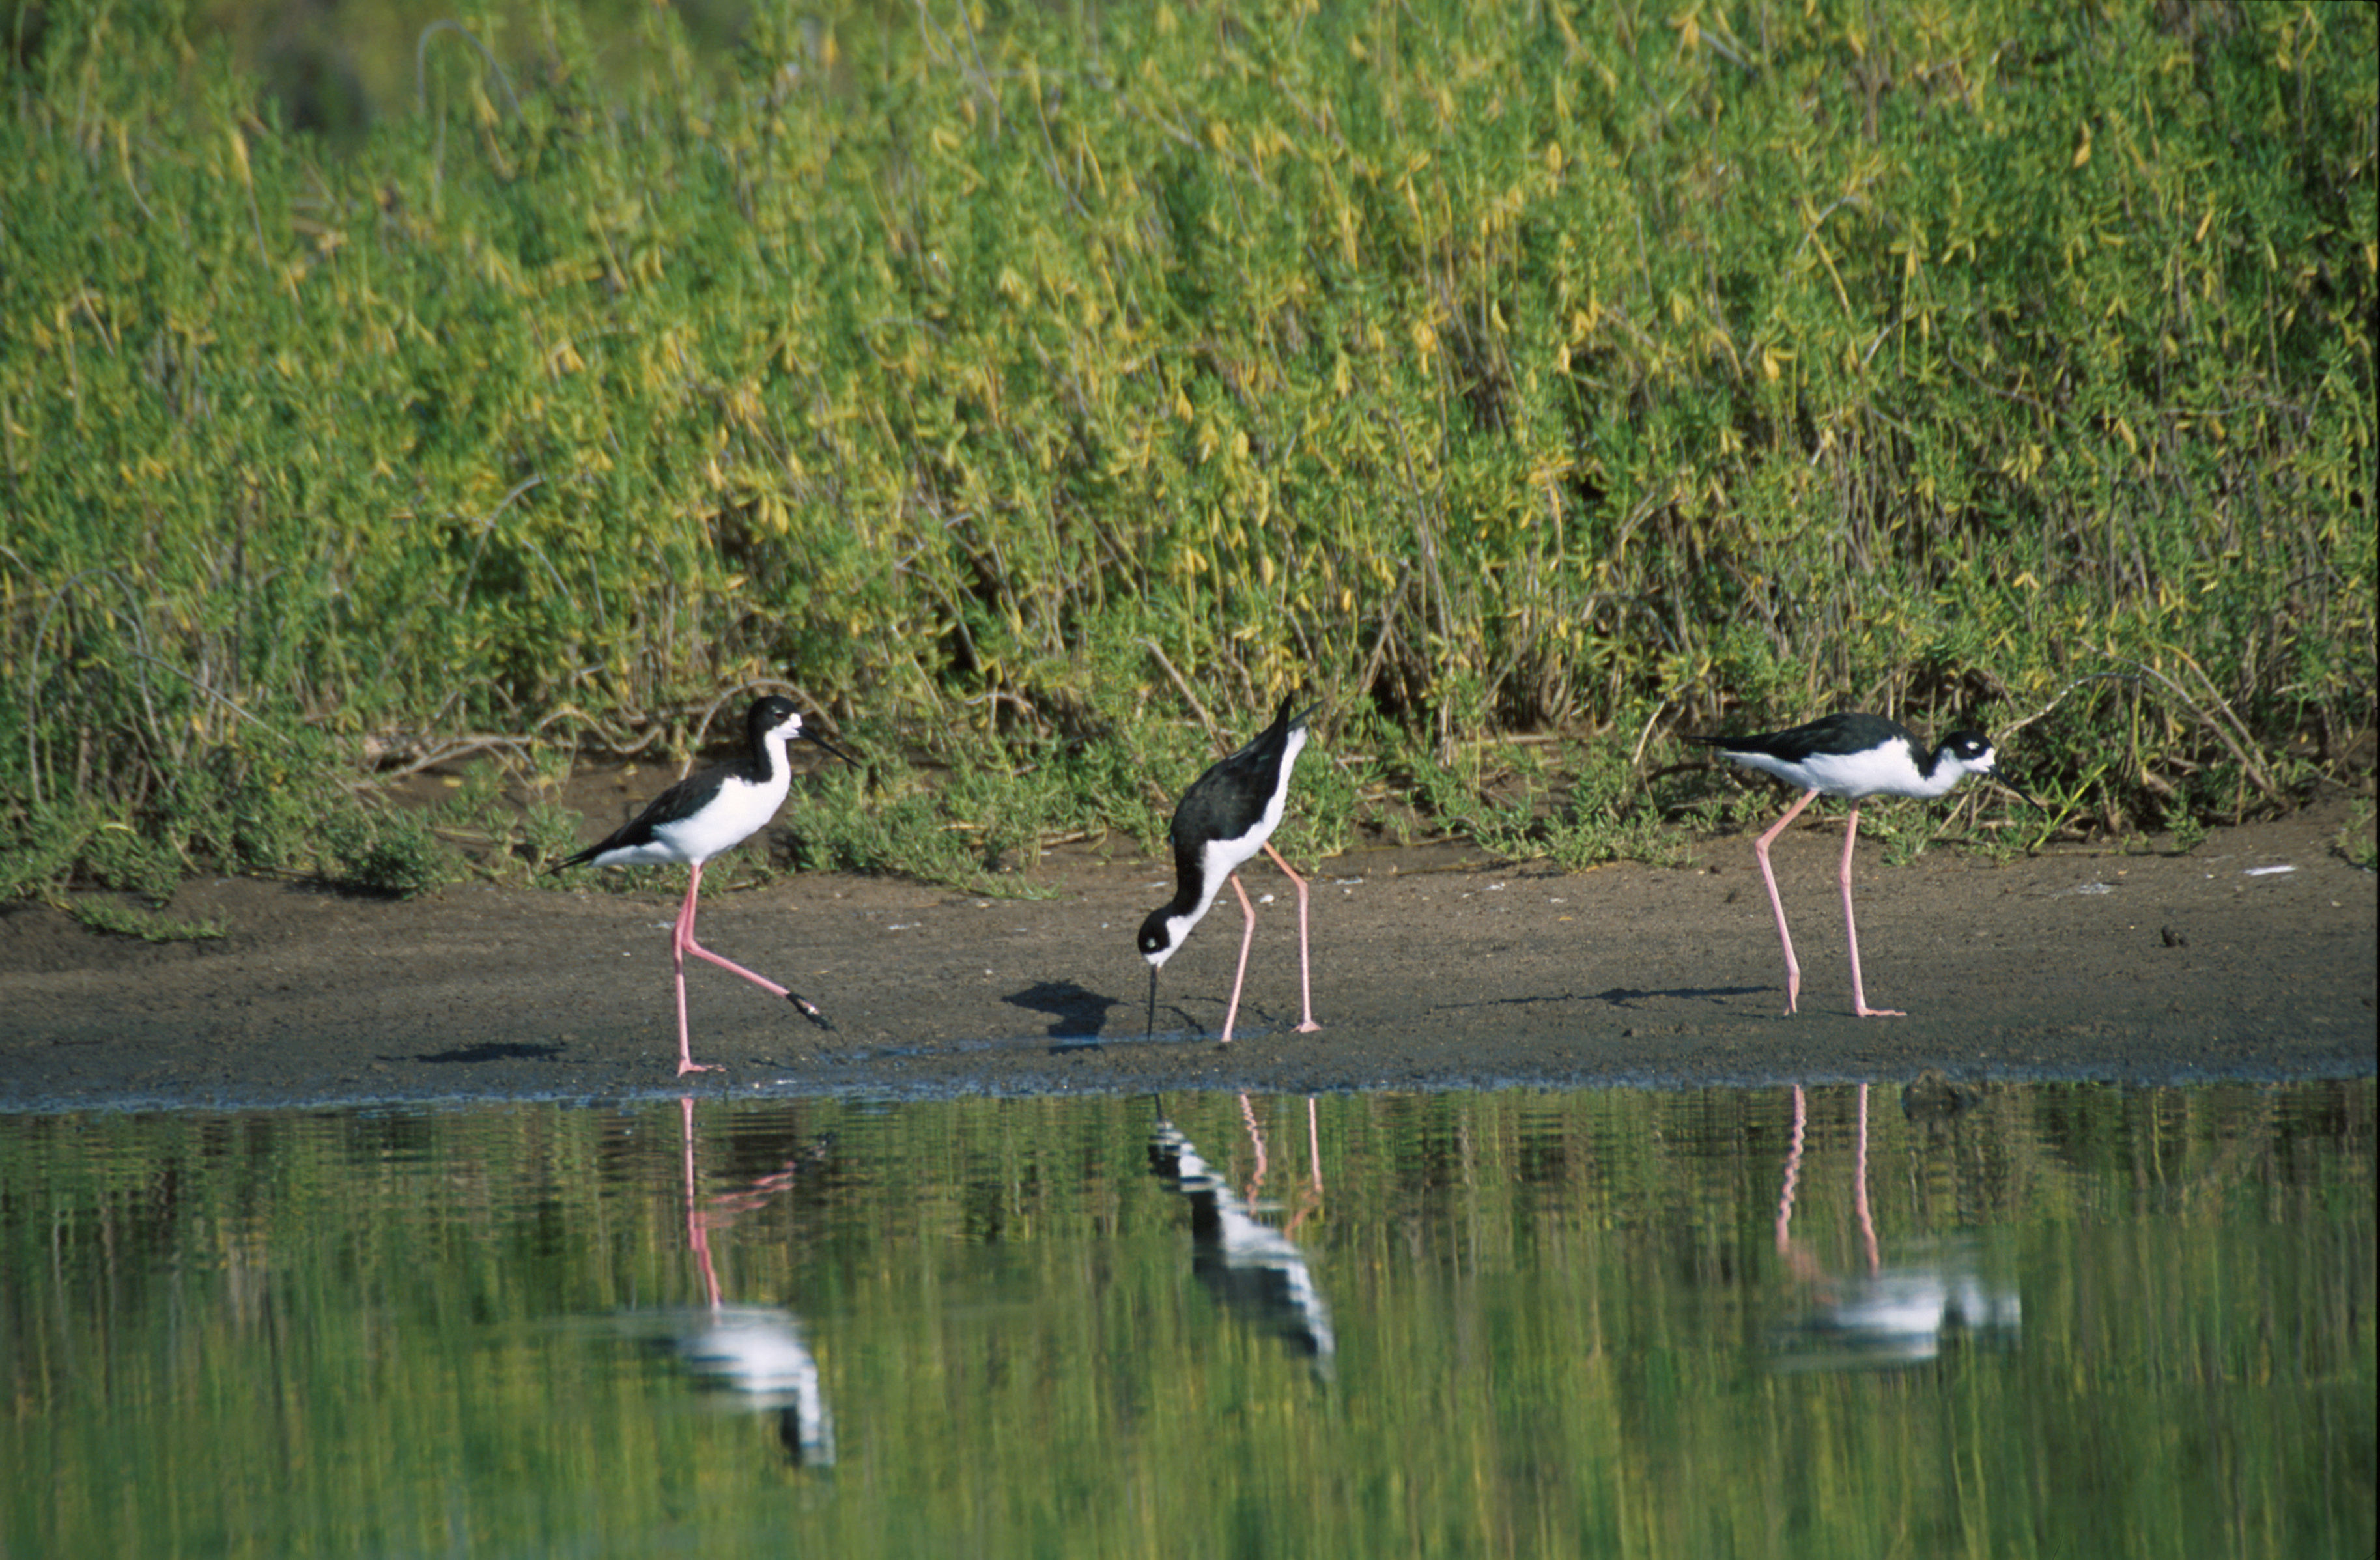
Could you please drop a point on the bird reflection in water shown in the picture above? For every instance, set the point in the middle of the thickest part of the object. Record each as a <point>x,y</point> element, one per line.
<point>1256,1271</point>
<point>755,1355</point>
<point>1881,1317</point>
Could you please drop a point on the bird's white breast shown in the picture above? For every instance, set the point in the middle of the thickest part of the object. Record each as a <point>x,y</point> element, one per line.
<point>741,810</point>
<point>1888,769</point>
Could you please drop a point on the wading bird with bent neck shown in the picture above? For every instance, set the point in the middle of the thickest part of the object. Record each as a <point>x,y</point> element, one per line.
<point>702,815</point>
<point>1855,756</point>
<point>1226,816</point>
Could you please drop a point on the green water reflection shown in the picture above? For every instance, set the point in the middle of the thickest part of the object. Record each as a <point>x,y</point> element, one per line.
<point>2054,1320</point>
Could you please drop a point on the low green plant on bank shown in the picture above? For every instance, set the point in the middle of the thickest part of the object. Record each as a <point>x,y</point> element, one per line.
<point>2357,842</point>
<point>149,926</point>
<point>1042,393</point>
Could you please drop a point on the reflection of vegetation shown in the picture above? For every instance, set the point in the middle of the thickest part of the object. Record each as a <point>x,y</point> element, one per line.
<point>1491,372</point>
<point>371,1331</point>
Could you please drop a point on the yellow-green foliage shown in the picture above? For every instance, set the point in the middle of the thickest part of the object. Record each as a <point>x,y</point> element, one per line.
<point>1481,367</point>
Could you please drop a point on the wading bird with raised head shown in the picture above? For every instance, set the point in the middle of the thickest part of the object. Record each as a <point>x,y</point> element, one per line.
<point>1226,816</point>
<point>702,815</point>
<point>1854,756</point>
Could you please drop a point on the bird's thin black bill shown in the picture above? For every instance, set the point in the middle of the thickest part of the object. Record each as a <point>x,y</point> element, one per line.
<point>813,737</point>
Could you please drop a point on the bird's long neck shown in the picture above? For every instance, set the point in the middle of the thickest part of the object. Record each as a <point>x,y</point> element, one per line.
<point>1193,897</point>
<point>1938,771</point>
<point>764,763</point>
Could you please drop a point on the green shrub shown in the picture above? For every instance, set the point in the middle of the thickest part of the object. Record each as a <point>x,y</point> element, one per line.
<point>1487,369</point>
<point>391,852</point>
<point>147,925</point>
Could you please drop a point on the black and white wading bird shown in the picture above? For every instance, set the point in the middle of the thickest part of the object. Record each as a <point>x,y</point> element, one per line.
<point>1227,816</point>
<point>1858,757</point>
<point>702,815</point>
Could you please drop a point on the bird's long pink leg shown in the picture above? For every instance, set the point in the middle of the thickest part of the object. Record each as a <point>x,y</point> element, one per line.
<point>1305,967</point>
<point>1246,937</point>
<point>1768,875</point>
<point>762,981</point>
<point>1850,931</point>
<point>681,939</point>
<point>809,1009</point>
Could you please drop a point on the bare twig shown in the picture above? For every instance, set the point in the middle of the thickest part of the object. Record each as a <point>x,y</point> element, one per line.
<point>2060,697</point>
<point>1636,759</point>
<point>2224,733</point>
<point>2238,746</point>
<point>459,747</point>
<point>1214,732</point>
<point>619,746</point>
<point>422,63</point>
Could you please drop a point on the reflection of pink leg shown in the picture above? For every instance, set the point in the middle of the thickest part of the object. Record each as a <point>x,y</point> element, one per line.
<point>1798,1260</point>
<point>1859,1192</point>
<point>1246,937</point>
<point>1851,933</point>
<point>1793,1174</point>
<point>1768,875</point>
<point>685,1144</point>
<point>697,1232</point>
<point>1305,967</point>
<point>1255,1136</point>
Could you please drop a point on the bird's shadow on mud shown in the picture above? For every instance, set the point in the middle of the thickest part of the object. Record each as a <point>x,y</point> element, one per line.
<point>1626,998</point>
<point>493,1051</point>
<point>1079,1015</point>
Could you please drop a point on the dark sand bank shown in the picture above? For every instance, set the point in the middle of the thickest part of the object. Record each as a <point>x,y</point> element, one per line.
<point>1431,970</point>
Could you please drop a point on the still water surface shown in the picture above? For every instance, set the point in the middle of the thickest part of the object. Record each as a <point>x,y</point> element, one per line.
<point>2067,1319</point>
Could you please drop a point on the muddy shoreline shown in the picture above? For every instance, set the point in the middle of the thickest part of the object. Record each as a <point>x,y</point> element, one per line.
<point>1433,968</point>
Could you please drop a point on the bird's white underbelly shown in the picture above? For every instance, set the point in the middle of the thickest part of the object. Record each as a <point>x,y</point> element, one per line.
<point>740,812</point>
<point>1855,774</point>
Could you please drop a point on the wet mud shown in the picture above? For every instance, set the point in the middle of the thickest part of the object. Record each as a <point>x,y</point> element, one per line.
<point>2251,955</point>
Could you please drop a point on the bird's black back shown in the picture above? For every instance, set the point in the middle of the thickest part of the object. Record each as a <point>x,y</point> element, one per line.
<point>1846,733</point>
<point>1226,801</point>
<point>752,762</point>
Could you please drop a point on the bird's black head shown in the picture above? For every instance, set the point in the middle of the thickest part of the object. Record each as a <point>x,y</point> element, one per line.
<point>1155,940</point>
<point>1971,748</point>
<point>773,716</point>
